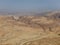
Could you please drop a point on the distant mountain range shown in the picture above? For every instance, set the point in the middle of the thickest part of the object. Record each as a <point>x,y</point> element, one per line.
<point>47,13</point>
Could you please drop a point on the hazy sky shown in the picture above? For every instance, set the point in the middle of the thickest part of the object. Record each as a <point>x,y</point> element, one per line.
<point>18,5</point>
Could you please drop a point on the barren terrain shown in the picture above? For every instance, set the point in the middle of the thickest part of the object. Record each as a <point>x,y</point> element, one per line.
<point>30,30</point>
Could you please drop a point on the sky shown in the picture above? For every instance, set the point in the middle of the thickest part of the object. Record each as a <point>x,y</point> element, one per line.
<point>29,5</point>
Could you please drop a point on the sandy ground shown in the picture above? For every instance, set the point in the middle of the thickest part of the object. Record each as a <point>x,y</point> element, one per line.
<point>29,30</point>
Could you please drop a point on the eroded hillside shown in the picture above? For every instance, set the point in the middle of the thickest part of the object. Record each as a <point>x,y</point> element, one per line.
<point>30,30</point>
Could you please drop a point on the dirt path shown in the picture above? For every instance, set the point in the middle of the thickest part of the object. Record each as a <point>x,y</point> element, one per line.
<point>39,37</point>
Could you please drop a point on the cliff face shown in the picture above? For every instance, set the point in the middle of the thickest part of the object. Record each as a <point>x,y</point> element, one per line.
<point>30,30</point>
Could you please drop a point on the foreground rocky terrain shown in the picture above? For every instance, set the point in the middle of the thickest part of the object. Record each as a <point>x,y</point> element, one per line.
<point>30,30</point>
